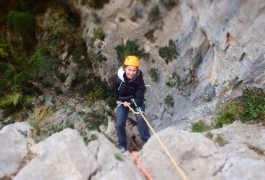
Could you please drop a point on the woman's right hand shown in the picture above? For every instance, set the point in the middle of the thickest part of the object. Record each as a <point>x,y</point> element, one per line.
<point>126,104</point>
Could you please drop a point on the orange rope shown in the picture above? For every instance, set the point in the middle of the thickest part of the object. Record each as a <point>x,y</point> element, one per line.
<point>141,166</point>
<point>181,172</point>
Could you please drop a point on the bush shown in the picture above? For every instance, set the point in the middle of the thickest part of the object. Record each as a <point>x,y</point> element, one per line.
<point>168,53</point>
<point>174,80</point>
<point>249,106</point>
<point>154,14</point>
<point>94,120</point>
<point>21,22</point>
<point>97,4</point>
<point>153,74</point>
<point>169,4</point>
<point>200,126</point>
<point>130,48</point>
<point>169,101</point>
<point>99,33</point>
<point>40,117</point>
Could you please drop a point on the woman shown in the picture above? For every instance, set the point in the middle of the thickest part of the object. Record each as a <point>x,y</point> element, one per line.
<point>130,87</point>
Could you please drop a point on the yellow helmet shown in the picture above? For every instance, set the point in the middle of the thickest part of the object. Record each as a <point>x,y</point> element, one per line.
<point>131,61</point>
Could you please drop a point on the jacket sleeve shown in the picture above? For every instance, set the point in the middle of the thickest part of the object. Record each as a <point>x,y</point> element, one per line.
<point>139,92</point>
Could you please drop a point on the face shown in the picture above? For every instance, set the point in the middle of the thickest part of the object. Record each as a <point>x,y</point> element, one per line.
<point>130,71</point>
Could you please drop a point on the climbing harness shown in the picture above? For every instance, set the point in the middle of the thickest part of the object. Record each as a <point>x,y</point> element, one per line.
<point>181,172</point>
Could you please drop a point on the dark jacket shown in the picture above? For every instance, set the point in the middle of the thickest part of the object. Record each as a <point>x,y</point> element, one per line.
<point>126,89</point>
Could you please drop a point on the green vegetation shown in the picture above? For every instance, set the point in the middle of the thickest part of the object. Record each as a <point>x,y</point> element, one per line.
<point>40,117</point>
<point>57,128</point>
<point>94,120</point>
<point>118,156</point>
<point>130,48</point>
<point>97,4</point>
<point>154,14</point>
<point>209,135</point>
<point>144,1</point>
<point>169,101</point>
<point>87,139</point>
<point>175,81</point>
<point>249,106</point>
<point>153,74</point>
<point>21,22</point>
<point>220,140</point>
<point>25,60</point>
<point>99,33</point>
<point>99,91</point>
<point>169,4</point>
<point>200,126</point>
<point>168,53</point>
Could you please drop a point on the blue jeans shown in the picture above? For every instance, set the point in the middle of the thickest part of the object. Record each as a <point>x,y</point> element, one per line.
<point>122,114</point>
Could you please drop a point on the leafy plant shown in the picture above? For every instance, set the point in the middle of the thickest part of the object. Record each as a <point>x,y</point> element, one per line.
<point>169,4</point>
<point>39,118</point>
<point>153,74</point>
<point>174,80</point>
<point>94,120</point>
<point>200,126</point>
<point>154,14</point>
<point>118,156</point>
<point>249,106</point>
<point>168,53</point>
<point>22,22</point>
<point>169,101</point>
<point>97,93</point>
<point>130,48</point>
<point>99,33</point>
<point>144,1</point>
<point>97,4</point>
<point>220,140</point>
<point>3,53</point>
<point>57,128</point>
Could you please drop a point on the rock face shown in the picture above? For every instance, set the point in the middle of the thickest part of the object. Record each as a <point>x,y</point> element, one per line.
<point>229,153</point>
<point>220,47</point>
<point>233,152</point>
<point>61,156</point>
<point>14,147</point>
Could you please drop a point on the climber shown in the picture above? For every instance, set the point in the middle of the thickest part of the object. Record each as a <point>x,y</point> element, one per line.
<point>130,86</point>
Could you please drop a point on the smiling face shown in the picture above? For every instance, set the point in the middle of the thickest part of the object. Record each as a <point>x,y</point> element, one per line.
<point>130,71</point>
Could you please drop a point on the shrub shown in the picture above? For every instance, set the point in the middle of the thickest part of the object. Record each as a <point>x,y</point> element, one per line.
<point>130,48</point>
<point>3,53</point>
<point>200,126</point>
<point>118,156</point>
<point>169,101</point>
<point>249,106</point>
<point>144,1</point>
<point>98,92</point>
<point>169,4</point>
<point>57,128</point>
<point>22,22</point>
<point>153,74</point>
<point>11,99</point>
<point>154,14</point>
<point>94,120</point>
<point>39,118</point>
<point>99,33</point>
<point>97,4</point>
<point>174,80</point>
<point>111,101</point>
<point>168,53</point>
